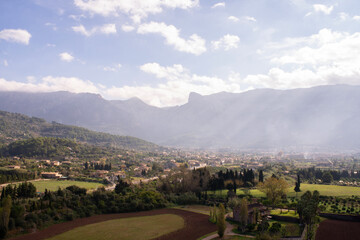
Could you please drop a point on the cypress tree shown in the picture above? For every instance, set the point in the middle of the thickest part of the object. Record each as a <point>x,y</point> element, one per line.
<point>297,184</point>
<point>261,176</point>
<point>3,193</point>
<point>221,221</point>
<point>4,216</point>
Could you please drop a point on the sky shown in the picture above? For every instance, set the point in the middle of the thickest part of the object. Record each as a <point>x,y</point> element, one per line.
<point>161,50</point>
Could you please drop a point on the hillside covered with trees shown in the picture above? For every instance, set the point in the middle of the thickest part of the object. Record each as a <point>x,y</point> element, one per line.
<point>14,126</point>
<point>55,148</point>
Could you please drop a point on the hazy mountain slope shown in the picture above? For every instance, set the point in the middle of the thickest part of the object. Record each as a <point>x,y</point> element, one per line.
<point>14,126</point>
<point>271,118</point>
<point>324,117</point>
<point>86,110</point>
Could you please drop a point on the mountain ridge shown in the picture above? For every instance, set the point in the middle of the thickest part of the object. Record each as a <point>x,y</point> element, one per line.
<point>322,117</point>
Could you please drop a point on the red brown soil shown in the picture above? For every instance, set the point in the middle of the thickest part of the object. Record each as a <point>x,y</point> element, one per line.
<point>196,225</point>
<point>338,230</point>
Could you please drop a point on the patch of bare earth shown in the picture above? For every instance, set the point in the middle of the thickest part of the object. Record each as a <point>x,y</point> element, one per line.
<point>338,230</point>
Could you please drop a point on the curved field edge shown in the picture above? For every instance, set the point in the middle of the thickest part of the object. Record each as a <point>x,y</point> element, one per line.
<point>196,225</point>
<point>195,208</point>
<point>141,228</point>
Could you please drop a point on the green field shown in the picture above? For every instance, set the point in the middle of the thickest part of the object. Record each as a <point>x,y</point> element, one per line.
<point>140,228</point>
<point>287,213</point>
<point>328,190</point>
<point>54,185</point>
<point>325,190</point>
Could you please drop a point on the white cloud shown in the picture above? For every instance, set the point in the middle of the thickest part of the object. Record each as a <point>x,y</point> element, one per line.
<point>233,19</point>
<point>52,25</point>
<point>66,57</point>
<point>50,45</point>
<point>77,17</point>
<point>175,91</point>
<point>249,19</point>
<point>325,47</point>
<point>6,63</point>
<point>357,18</point>
<point>107,29</point>
<point>278,78</point>
<point>323,8</point>
<point>31,79</point>
<point>104,29</point>
<point>112,68</point>
<point>195,44</point>
<point>328,57</point>
<point>227,42</point>
<point>50,84</point>
<point>343,16</point>
<point>170,73</point>
<point>15,35</point>
<point>127,28</point>
<point>323,36</point>
<point>136,9</point>
<point>81,29</point>
<point>220,4</point>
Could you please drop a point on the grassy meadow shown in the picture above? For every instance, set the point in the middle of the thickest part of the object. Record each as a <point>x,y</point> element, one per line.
<point>54,185</point>
<point>286,213</point>
<point>140,228</point>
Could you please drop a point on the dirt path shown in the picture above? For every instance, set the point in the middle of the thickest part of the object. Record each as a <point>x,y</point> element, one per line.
<point>196,225</point>
<point>338,230</point>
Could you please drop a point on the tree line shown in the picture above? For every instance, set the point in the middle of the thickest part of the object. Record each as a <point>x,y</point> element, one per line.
<point>15,175</point>
<point>312,174</point>
<point>97,166</point>
<point>23,190</point>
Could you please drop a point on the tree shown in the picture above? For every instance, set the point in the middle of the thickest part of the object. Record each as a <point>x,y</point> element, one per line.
<point>243,214</point>
<point>77,190</point>
<point>2,193</point>
<point>221,221</point>
<point>263,226</point>
<point>4,216</point>
<point>327,177</point>
<point>234,203</point>
<point>308,208</point>
<point>275,228</point>
<point>274,189</point>
<point>235,186</point>
<point>261,176</point>
<point>297,184</point>
<point>213,214</point>
<point>121,186</point>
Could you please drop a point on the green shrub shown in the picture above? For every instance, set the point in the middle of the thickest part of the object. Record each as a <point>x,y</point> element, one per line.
<point>275,228</point>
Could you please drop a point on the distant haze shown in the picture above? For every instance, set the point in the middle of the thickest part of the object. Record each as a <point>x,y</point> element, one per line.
<point>319,118</point>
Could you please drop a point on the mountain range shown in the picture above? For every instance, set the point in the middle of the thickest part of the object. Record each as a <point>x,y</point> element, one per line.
<point>318,118</point>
